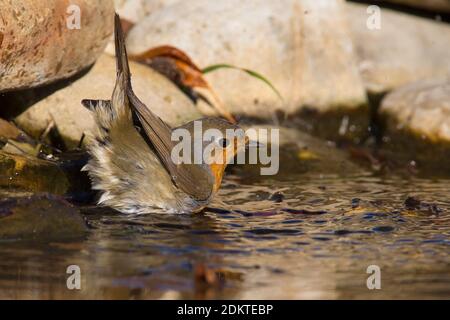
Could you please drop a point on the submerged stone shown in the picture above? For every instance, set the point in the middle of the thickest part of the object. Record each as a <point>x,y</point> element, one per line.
<point>31,174</point>
<point>299,153</point>
<point>39,217</point>
<point>60,177</point>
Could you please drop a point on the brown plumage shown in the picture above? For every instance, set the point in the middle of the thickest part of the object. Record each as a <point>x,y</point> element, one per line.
<point>131,149</point>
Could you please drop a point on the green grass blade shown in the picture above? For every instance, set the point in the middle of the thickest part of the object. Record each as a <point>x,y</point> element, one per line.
<point>249,72</point>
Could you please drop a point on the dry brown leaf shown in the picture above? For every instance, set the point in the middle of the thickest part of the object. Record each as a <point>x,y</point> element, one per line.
<point>180,69</point>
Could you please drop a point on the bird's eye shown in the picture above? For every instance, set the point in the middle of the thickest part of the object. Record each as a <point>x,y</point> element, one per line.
<point>223,142</point>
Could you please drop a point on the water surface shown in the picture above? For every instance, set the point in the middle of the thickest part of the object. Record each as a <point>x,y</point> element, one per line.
<point>315,241</point>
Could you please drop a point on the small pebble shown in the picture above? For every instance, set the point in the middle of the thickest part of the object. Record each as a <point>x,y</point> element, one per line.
<point>277,197</point>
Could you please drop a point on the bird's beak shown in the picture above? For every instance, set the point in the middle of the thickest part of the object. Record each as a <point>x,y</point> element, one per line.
<point>253,144</point>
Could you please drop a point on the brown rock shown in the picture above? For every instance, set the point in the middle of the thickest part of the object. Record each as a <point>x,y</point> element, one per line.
<point>37,47</point>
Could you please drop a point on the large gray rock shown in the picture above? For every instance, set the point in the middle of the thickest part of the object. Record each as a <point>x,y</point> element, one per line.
<point>405,49</point>
<point>302,47</point>
<point>37,46</point>
<point>72,119</point>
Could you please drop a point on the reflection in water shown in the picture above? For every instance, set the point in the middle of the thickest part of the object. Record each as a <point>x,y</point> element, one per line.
<point>315,242</point>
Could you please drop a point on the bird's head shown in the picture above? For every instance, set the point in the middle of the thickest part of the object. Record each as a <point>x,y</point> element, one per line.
<point>221,141</point>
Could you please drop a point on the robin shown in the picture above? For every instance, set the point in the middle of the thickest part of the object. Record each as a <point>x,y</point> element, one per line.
<point>131,163</point>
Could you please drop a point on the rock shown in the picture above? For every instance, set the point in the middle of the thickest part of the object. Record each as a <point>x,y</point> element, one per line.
<point>136,10</point>
<point>27,173</point>
<point>40,217</point>
<point>37,45</point>
<point>31,174</point>
<point>72,119</point>
<point>299,152</point>
<point>417,121</point>
<point>422,108</point>
<point>302,47</point>
<point>8,131</point>
<point>31,166</point>
<point>133,11</point>
<point>405,49</point>
<point>432,5</point>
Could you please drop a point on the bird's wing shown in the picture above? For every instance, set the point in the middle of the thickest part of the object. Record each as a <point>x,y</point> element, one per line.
<point>195,180</point>
<point>93,104</point>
